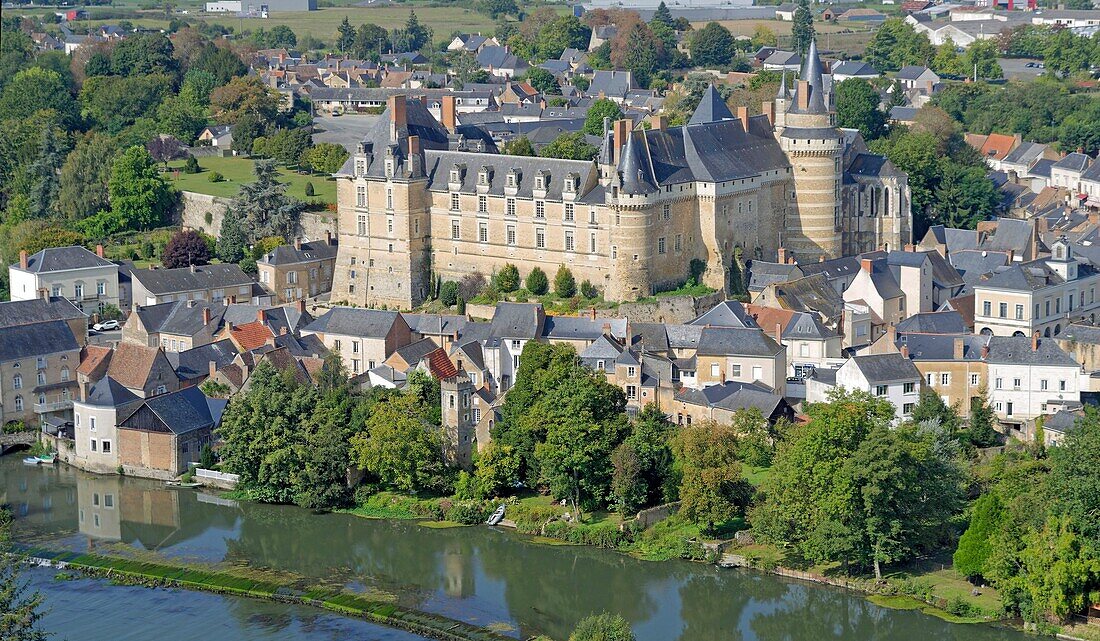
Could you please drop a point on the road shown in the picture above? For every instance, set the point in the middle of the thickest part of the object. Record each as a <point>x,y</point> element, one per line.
<point>1017,69</point>
<point>343,130</point>
<point>112,337</point>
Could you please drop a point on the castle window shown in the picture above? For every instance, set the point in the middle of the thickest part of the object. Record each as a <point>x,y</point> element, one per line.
<point>361,225</point>
<point>512,235</point>
<point>360,167</point>
<point>510,207</point>
<point>666,211</point>
<point>511,180</point>
<point>540,238</point>
<point>455,230</point>
<point>592,243</point>
<point>483,232</point>
<point>482,204</point>
<point>592,215</point>
<point>454,202</point>
<point>540,209</point>
<point>569,212</point>
<point>568,241</point>
<point>389,224</point>
<point>389,197</point>
<point>679,241</point>
<point>389,248</point>
<point>361,196</point>
<point>540,182</point>
<point>416,227</point>
<point>661,245</point>
<point>614,251</point>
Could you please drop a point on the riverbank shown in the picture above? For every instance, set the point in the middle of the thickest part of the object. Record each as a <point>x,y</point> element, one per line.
<point>264,585</point>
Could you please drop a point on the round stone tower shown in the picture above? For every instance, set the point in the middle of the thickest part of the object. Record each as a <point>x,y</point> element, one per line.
<point>815,148</point>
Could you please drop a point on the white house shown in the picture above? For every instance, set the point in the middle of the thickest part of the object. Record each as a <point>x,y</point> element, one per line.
<point>1029,375</point>
<point>88,280</point>
<point>890,376</point>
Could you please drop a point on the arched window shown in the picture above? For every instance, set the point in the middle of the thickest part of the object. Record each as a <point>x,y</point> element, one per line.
<point>41,377</point>
<point>986,331</point>
<point>18,403</point>
<point>17,381</point>
<point>1047,332</point>
<point>1018,334</point>
<point>64,374</point>
<point>1057,329</point>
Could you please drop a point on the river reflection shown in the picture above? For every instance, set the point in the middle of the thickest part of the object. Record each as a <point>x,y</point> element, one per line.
<point>474,574</point>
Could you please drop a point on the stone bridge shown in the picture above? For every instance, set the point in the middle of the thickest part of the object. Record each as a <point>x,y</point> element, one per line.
<point>9,442</point>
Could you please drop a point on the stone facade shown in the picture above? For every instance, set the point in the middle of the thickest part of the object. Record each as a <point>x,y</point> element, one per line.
<point>417,200</point>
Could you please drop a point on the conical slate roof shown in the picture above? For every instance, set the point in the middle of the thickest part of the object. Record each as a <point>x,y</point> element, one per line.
<point>812,74</point>
<point>635,170</point>
<point>711,108</point>
<point>783,93</point>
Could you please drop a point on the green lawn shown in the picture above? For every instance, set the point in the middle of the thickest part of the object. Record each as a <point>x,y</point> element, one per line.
<point>238,171</point>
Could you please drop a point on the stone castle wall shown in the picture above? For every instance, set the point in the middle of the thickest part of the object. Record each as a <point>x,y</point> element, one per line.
<point>194,208</point>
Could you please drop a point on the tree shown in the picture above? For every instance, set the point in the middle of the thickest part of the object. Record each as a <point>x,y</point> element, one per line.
<point>980,432</point>
<point>448,293</point>
<point>930,407</point>
<point>895,45</point>
<point>263,206</point>
<point>712,46</point>
<point>764,37</point>
<point>496,470</point>
<point>975,546</point>
<point>712,490</point>
<point>113,103</point>
<point>220,62</point>
<point>602,627</point>
<point>370,39</point>
<point>857,107</point>
<point>600,109</point>
<point>964,196</point>
<point>232,238</point>
<point>185,248</point>
<point>325,157</point>
<point>1061,569</point>
<point>564,32</point>
<point>650,439</point>
<point>571,146</point>
<point>757,437</point>
<point>519,146</point>
<point>536,282</point>
<point>1074,481</point>
<point>34,89</point>
<point>543,81</point>
<point>182,117</point>
<point>414,36</point>
<point>322,482</point>
<point>244,95</point>
<point>498,8</point>
<point>138,195</point>
<point>637,48</point>
<point>164,148</point>
<point>144,54</point>
<point>628,487</point>
<point>399,447</point>
<point>663,16</point>
<point>20,610</point>
<point>507,279</point>
<point>802,32</point>
<point>345,37</point>
<point>947,61</point>
<point>565,286</point>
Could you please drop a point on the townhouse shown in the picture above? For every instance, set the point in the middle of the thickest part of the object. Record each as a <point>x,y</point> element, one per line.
<point>176,326</point>
<point>889,376</point>
<point>364,338</point>
<point>88,280</point>
<point>302,270</point>
<point>213,283</point>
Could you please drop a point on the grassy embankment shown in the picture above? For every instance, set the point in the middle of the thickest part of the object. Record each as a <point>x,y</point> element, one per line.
<point>237,171</point>
<point>260,584</point>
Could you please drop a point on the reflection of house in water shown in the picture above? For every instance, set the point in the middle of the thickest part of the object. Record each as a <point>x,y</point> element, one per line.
<point>98,510</point>
<point>43,500</point>
<point>458,571</point>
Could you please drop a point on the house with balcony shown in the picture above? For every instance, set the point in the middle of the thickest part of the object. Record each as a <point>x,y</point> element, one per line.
<point>86,279</point>
<point>1044,295</point>
<point>38,363</point>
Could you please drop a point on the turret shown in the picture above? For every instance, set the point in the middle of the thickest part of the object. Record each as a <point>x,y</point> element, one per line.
<point>782,102</point>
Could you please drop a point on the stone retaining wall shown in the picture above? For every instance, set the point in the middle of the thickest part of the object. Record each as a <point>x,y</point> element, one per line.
<point>194,208</point>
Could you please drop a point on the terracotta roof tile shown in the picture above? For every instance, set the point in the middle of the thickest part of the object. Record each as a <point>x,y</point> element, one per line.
<point>132,363</point>
<point>439,365</point>
<point>92,358</point>
<point>251,335</point>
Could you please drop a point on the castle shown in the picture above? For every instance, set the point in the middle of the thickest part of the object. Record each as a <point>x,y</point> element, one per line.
<point>420,198</point>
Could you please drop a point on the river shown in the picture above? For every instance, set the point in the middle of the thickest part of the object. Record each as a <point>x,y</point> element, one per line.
<point>480,575</point>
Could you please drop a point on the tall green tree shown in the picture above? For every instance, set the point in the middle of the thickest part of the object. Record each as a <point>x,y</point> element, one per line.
<point>139,197</point>
<point>232,238</point>
<point>399,447</point>
<point>975,547</point>
<point>802,31</point>
<point>857,107</point>
<point>35,89</point>
<point>564,32</point>
<point>599,109</point>
<point>84,176</point>
<point>571,146</point>
<point>712,489</point>
<point>322,481</point>
<point>712,46</point>
<point>345,36</point>
<point>263,206</point>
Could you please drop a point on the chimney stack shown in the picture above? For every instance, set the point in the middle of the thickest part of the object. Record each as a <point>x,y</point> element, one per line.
<point>743,116</point>
<point>301,305</point>
<point>910,247</point>
<point>205,316</point>
<point>22,259</point>
<point>593,312</point>
<point>328,237</point>
<point>958,353</point>
<point>620,132</point>
<point>298,243</point>
<point>414,145</point>
<point>865,264</point>
<point>892,334</point>
<point>260,316</point>
<point>99,250</point>
<point>905,352</point>
<point>782,256</point>
<point>985,351</point>
<point>768,109</point>
<point>660,123</point>
<point>778,333</point>
<point>1035,341</point>
<point>398,119</point>
<point>213,369</point>
<point>803,94</point>
<point>447,112</point>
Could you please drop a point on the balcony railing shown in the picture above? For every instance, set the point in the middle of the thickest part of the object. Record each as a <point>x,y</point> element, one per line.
<point>53,406</point>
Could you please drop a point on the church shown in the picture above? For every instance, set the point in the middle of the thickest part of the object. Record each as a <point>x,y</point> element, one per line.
<point>422,199</point>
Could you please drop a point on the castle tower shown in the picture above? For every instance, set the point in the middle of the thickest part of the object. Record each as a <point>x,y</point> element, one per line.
<point>631,199</point>
<point>782,100</point>
<point>814,146</point>
<point>458,425</point>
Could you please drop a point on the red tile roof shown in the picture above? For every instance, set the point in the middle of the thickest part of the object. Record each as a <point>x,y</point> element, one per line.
<point>250,335</point>
<point>92,358</point>
<point>439,365</point>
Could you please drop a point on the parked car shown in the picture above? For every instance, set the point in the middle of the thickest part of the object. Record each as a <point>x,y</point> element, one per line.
<point>106,326</point>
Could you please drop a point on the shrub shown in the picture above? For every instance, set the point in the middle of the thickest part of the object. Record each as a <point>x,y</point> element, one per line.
<point>191,165</point>
<point>148,252</point>
<point>215,177</point>
<point>309,189</point>
<point>588,290</point>
<point>467,513</point>
<point>460,306</point>
<point>507,279</point>
<point>448,293</point>
<point>536,282</point>
<point>209,217</point>
<point>471,285</point>
<point>565,285</point>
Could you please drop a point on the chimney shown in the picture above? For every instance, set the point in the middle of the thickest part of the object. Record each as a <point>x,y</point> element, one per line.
<point>414,145</point>
<point>803,94</point>
<point>259,316</point>
<point>620,132</point>
<point>607,329</point>
<point>778,332</point>
<point>782,256</point>
<point>910,247</point>
<point>1035,341</point>
<point>865,264</point>
<point>282,331</point>
<point>905,352</point>
<point>228,326</point>
<point>958,353</point>
<point>398,119</point>
<point>85,387</point>
<point>768,109</point>
<point>205,316</point>
<point>22,259</point>
<point>298,243</point>
<point>821,258</point>
<point>743,116</point>
<point>892,334</point>
<point>213,368</point>
<point>192,268</point>
<point>985,351</point>
<point>301,306</point>
<point>928,85</point>
<point>1011,255</point>
<point>629,333</point>
<point>99,250</point>
<point>593,312</point>
<point>660,123</point>
<point>447,113</point>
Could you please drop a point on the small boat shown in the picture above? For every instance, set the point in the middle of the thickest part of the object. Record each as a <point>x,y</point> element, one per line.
<point>497,516</point>
<point>47,459</point>
<point>31,460</point>
<point>181,484</point>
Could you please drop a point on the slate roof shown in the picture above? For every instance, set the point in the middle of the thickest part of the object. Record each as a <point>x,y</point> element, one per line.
<point>415,351</point>
<point>516,321</point>
<point>612,83</point>
<point>912,72</point>
<point>1088,334</point>
<point>733,396</point>
<point>195,362</point>
<point>884,281</point>
<point>438,165</point>
<point>182,318</point>
<point>183,279</point>
<point>941,347</point>
<point>1016,350</point>
<point>886,368</point>
<point>1025,153</point>
<point>181,412</point>
<point>1062,421</point>
<point>731,341</point>
<point>1041,168</point>
<point>435,324</point>
<point>833,268</point>
<point>711,108</point>
<point>810,294</point>
<point>728,313</point>
<point>38,310</point>
<point>498,57</point>
<point>1076,162</point>
<point>903,114</point>
<point>762,274</point>
<point>581,327</point>
<point>973,263</point>
<point>55,259</point>
<point>108,392</point>
<point>39,339</point>
<point>603,348</point>
<point>289,255</point>
<point>1011,234</point>
<point>351,321</point>
<point>1030,276</point>
<point>854,68</point>
<point>933,323</point>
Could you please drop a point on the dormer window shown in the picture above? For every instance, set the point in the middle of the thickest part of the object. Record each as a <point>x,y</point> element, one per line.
<point>360,167</point>
<point>513,178</point>
<point>484,176</point>
<point>571,183</point>
<point>542,179</point>
<point>454,175</point>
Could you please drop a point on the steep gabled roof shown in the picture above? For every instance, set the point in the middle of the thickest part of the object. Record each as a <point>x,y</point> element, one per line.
<point>54,259</point>
<point>712,108</point>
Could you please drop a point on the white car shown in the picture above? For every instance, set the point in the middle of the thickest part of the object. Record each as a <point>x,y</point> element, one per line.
<point>105,326</point>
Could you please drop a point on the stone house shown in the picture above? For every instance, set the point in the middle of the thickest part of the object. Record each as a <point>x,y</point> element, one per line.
<point>364,338</point>
<point>720,402</point>
<point>143,370</point>
<point>810,344</point>
<point>86,279</point>
<point>214,283</point>
<point>38,364</point>
<point>95,424</point>
<point>301,270</point>
<point>889,376</point>
<point>174,327</point>
<point>164,434</point>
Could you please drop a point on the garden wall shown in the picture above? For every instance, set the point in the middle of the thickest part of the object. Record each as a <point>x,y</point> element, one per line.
<point>205,212</point>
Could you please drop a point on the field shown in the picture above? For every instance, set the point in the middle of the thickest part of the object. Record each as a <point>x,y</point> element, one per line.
<point>238,171</point>
<point>850,38</point>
